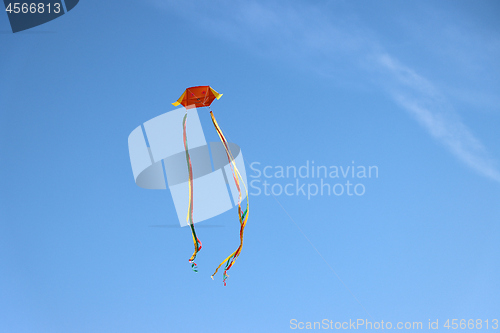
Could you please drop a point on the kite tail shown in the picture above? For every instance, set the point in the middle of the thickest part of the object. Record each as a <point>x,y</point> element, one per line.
<point>243,215</point>
<point>189,218</point>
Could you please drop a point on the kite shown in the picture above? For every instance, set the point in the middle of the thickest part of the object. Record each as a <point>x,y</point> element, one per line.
<point>203,96</point>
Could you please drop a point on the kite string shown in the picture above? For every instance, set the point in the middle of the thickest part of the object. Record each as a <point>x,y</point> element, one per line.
<point>189,218</point>
<point>243,216</point>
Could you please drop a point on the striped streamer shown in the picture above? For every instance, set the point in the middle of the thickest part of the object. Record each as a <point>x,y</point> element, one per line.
<point>189,218</point>
<point>243,215</point>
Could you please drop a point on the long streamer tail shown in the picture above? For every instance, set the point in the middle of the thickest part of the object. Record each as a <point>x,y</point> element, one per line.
<point>243,215</point>
<point>189,218</point>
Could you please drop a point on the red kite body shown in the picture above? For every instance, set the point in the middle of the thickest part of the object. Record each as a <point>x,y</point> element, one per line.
<point>197,97</point>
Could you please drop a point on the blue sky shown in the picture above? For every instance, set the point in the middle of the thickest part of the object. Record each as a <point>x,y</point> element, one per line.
<point>412,88</point>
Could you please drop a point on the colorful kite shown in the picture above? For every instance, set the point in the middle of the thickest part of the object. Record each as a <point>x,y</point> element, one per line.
<point>203,96</point>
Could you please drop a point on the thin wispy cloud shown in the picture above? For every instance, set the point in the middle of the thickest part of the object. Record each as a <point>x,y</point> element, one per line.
<point>311,37</point>
<point>425,103</point>
<point>431,109</point>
